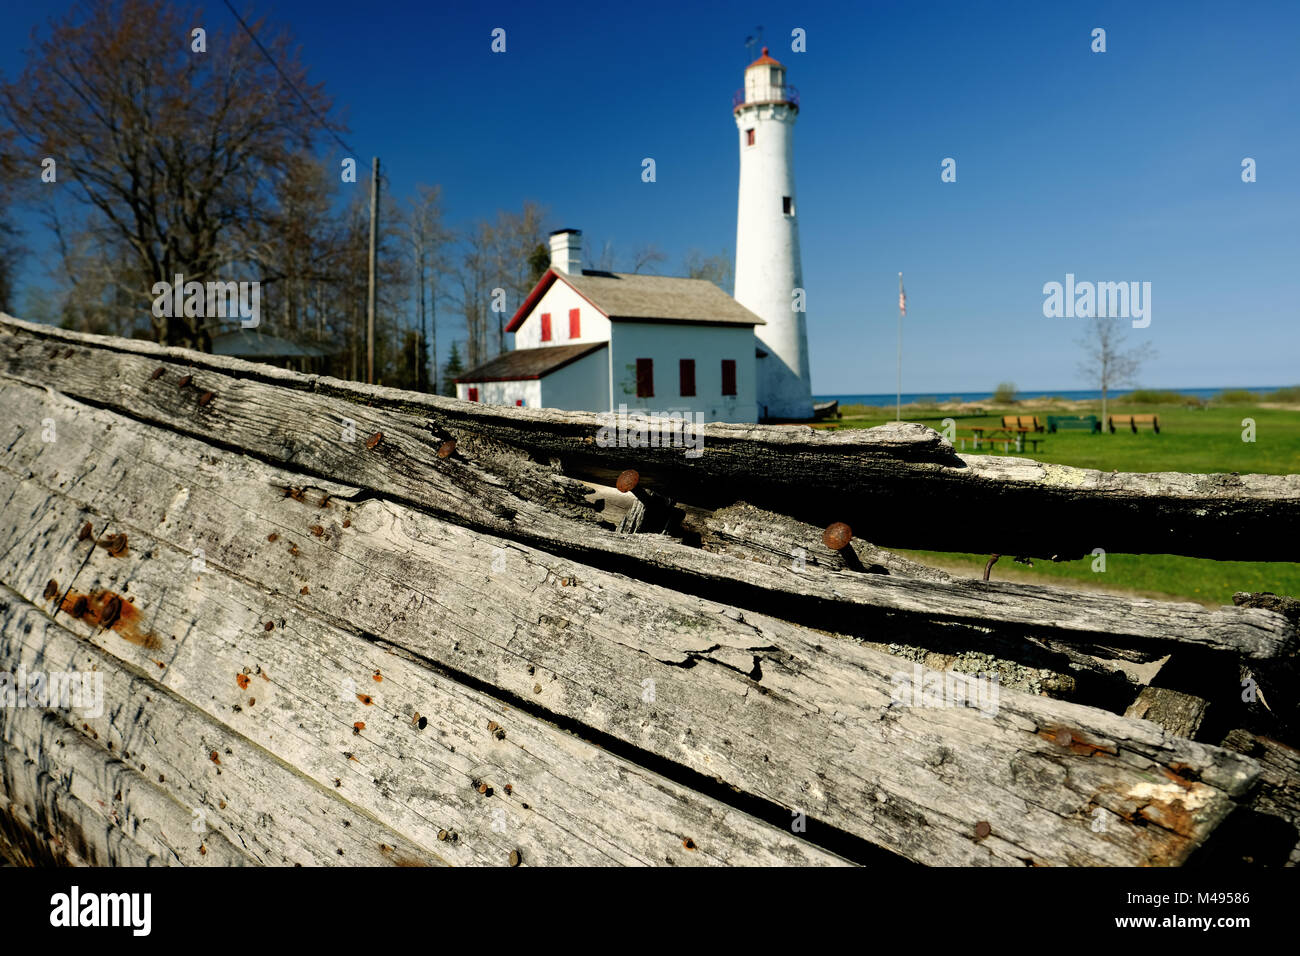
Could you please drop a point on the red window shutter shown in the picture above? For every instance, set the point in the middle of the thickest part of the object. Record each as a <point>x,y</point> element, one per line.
<point>728,376</point>
<point>688,377</point>
<point>546,326</point>
<point>473,394</point>
<point>575,325</point>
<point>645,378</point>
<point>749,137</point>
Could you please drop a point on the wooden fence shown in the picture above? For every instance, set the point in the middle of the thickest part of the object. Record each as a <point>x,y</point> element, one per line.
<point>343,624</point>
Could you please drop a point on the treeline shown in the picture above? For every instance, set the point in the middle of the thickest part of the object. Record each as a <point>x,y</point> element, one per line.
<point>148,151</point>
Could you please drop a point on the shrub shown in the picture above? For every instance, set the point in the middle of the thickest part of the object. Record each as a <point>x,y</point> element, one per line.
<point>1155,396</point>
<point>1005,393</point>
<point>1237,396</point>
<point>1291,394</point>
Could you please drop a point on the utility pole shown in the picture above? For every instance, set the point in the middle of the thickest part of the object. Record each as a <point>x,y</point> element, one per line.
<point>370,305</point>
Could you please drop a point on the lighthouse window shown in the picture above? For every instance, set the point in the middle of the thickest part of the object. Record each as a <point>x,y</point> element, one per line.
<point>749,137</point>
<point>787,205</point>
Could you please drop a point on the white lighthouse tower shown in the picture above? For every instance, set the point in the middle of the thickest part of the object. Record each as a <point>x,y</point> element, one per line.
<point>768,268</point>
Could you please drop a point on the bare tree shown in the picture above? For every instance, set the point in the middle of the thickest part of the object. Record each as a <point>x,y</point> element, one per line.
<point>428,237</point>
<point>10,249</point>
<point>171,151</point>
<point>515,239</point>
<point>717,269</point>
<point>1106,360</point>
<point>473,277</point>
<point>648,257</point>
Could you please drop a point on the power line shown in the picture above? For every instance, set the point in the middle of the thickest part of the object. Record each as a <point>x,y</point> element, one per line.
<point>284,76</point>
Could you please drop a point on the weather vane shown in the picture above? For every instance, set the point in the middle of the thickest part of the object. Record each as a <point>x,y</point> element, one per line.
<point>755,40</point>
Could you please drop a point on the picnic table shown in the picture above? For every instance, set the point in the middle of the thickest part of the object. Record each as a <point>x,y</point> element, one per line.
<point>997,433</point>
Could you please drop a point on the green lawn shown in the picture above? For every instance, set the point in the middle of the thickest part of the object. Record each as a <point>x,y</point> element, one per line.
<point>1203,439</point>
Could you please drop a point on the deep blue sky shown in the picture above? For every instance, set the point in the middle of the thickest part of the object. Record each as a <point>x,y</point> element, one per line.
<point>1116,166</point>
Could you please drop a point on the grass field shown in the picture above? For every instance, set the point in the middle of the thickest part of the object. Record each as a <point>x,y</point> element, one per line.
<point>1201,439</point>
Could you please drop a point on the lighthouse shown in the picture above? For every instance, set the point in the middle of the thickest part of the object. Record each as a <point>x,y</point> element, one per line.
<point>769,274</point>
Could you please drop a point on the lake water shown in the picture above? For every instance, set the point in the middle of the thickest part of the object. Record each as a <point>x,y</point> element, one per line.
<point>1072,394</point>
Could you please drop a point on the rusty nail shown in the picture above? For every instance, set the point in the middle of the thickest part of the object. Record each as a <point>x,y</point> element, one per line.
<point>993,559</point>
<point>86,532</point>
<point>374,439</point>
<point>205,398</point>
<point>115,544</point>
<point>515,858</point>
<point>68,354</point>
<point>303,590</point>
<point>492,724</point>
<point>982,829</point>
<point>423,722</point>
<point>447,449</point>
<point>79,605</point>
<point>109,613</point>
<point>317,530</point>
<point>442,834</point>
<point>273,537</point>
<point>185,380</point>
<point>269,625</point>
<point>51,589</point>
<point>347,522</point>
<point>157,373</point>
<point>688,843</point>
<point>837,536</point>
<point>628,480</point>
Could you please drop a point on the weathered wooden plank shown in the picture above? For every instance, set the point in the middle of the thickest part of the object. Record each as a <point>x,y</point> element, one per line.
<point>1276,799</point>
<point>345,711</point>
<point>260,804</point>
<point>1180,714</point>
<point>77,794</point>
<point>822,477</point>
<point>311,431</point>
<point>800,720</point>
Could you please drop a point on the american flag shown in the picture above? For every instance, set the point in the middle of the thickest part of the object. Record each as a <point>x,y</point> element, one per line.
<point>902,297</point>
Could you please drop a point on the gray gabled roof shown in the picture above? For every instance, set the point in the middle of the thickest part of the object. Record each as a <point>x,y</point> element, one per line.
<point>631,297</point>
<point>520,364</point>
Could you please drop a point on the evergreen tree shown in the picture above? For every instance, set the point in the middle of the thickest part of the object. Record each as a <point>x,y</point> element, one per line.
<point>452,369</point>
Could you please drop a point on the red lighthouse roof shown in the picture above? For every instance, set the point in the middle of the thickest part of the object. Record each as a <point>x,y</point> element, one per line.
<point>763,60</point>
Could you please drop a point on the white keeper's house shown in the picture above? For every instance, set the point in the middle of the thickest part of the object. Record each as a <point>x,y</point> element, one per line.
<point>603,341</point>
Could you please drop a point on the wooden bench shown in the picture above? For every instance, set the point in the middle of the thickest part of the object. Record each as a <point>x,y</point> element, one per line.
<point>1065,422</point>
<point>1022,423</point>
<point>1133,421</point>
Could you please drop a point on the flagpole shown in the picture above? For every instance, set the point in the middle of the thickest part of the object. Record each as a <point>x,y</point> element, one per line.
<point>902,310</point>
